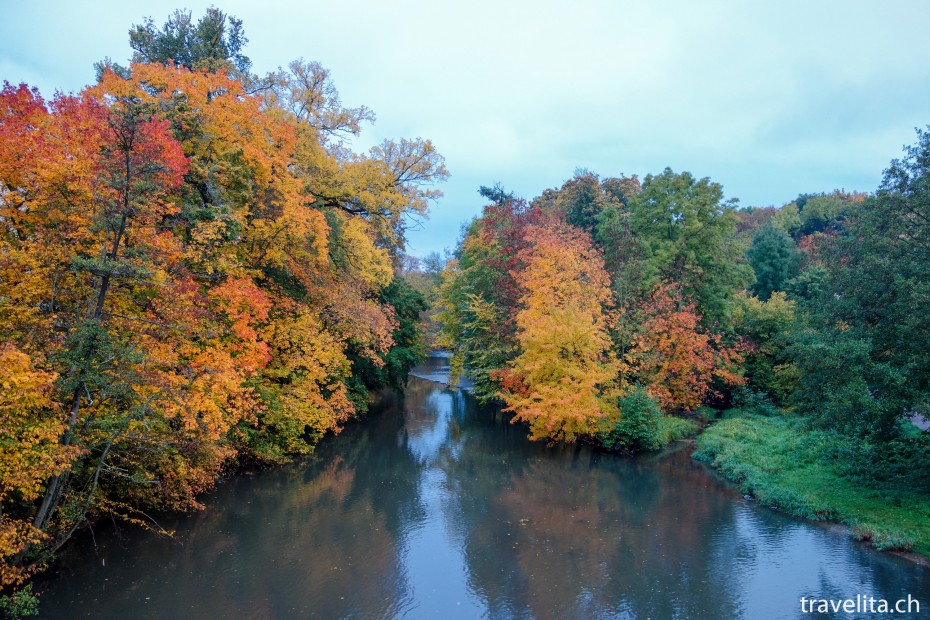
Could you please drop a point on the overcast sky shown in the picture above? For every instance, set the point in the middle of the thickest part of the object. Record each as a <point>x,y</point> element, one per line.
<point>770,99</point>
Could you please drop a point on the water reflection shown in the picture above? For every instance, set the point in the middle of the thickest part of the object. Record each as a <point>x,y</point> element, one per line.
<point>437,508</point>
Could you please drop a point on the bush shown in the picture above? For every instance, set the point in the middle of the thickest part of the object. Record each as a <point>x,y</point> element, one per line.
<point>20,604</point>
<point>635,427</point>
<point>753,400</point>
<point>902,463</point>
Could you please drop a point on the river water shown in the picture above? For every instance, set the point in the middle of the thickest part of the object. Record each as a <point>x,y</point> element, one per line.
<point>434,507</point>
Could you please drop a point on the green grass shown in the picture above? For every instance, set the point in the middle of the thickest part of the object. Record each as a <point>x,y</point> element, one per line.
<point>793,468</point>
<point>672,428</point>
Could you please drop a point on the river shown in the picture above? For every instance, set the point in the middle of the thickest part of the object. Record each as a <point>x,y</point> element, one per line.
<point>434,507</point>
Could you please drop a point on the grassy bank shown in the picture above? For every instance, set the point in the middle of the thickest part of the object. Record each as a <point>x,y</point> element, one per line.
<point>793,468</point>
<point>672,428</point>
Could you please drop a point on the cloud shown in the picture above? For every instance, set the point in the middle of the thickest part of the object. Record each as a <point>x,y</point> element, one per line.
<point>769,99</point>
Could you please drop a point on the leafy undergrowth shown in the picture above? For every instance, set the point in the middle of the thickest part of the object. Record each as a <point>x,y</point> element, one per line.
<point>786,465</point>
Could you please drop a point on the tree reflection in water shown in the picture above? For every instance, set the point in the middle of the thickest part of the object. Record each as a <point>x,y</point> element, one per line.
<point>435,507</point>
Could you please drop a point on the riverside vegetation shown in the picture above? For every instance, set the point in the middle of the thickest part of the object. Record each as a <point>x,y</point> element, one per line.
<point>617,311</point>
<point>198,272</point>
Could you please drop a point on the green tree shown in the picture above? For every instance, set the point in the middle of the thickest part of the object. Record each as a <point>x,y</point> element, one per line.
<point>882,282</point>
<point>841,385</point>
<point>496,193</point>
<point>787,219</point>
<point>581,199</point>
<point>477,299</point>
<point>862,357</point>
<point>825,211</point>
<point>409,347</point>
<point>634,425</point>
<point>624,253</point>
<point>766,326</point>
<point>687,230</point>
<point>773,259</point>
<point>214,42</point>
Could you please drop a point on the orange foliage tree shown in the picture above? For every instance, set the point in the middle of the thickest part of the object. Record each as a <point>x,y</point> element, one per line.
<point>675,357</point>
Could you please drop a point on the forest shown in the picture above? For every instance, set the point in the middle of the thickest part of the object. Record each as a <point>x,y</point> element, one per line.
<point>198,274</point>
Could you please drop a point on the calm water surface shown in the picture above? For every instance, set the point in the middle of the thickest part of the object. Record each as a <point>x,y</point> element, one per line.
<point>437,508</point>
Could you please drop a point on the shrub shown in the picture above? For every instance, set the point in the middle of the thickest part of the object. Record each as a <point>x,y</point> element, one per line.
<point>753,400</point>
<point>635,426</point>
<point>902,463</point>
<point>21,603</point>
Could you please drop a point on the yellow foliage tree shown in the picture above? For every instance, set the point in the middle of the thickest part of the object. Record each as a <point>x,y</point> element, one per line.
<point>558,381</point>
<point>30,450</point>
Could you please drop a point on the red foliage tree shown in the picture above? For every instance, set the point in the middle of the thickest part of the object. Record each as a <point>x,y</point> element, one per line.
<point>675,357</point>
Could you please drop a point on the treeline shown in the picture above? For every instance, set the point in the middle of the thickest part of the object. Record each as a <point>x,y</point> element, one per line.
<point>602,296</point>
<point>594,307</point>
<point>195,269</point>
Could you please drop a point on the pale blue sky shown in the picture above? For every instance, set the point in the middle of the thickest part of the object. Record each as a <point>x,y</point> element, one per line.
<point>770,99</point>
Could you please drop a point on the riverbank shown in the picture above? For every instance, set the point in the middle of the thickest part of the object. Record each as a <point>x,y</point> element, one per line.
<point>672,428</point>
<point>792,468</point>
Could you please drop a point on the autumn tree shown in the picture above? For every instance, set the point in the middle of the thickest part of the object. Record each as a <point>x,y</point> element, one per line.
<point>676,357</point>
<point>247,206</point>
<point>192,272</point>
<point>390,186</point>
<point>479,294</point>
<point>31,453</point>
<point>93,218</point>
<point>565,365</point>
